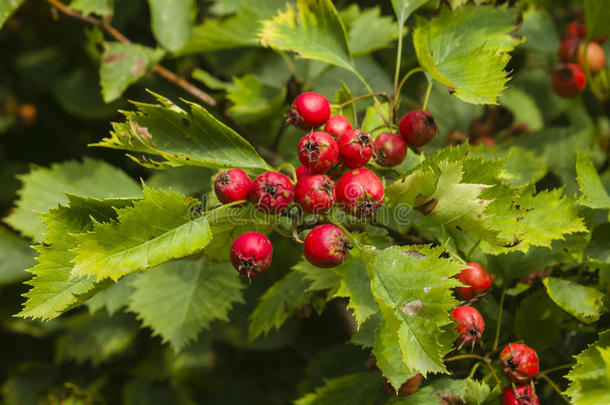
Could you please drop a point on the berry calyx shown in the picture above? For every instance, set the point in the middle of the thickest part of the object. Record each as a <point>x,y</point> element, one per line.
<point>470,324</point>
<point>360,192</point>
<point>271,193</point>
<point>232,185</point>
<point>519,395</point>
<point>477,279</point>
<point>355,148</point>
<point>315,193</point>
<point>569,80</point>
<point>595,59</point>
<point>337,125</point>
<point>390,149</point>
<point>408,388</point>
<point>251,253</point>
<point>417,128</point>
<point>326,246</point>
<point>309,110</point>
<point>318,151</point>
<point>302,171</point>
<point>519,362</point>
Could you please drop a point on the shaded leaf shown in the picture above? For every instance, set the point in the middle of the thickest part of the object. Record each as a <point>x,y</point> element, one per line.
<point>584,303</point>
<point>172,22</point>
<point>361,388</point>
<point>596,17</point>
<point>99,7</point>
<point>589,382</point>
<point>15,256</point>
<point>594,193</point>
<point>8,7</point>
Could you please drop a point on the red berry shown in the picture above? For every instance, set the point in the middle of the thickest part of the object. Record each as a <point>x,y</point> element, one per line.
<point>355,148</point>
<point>408,388</point>
<point>576,29</point>
<point>520,395</point>
<point>309,110</point>
<point>569,80</point>
<point>568,48</point>
<point>488,141</point>
<point>596,58</point>
<point>337,125</point>
<point>417,128</point>
<point>360,192</point>
<point>315,193</point>
<point>519,362</point>
<point>232,185</point>
<point>271,193</point>
<point>390,149</point>
<point>251,253</point>
<point>476,278</point>
<point>470,323</point>
<point>302,171</point>
<point>318,151</point>
<point>326,246</point>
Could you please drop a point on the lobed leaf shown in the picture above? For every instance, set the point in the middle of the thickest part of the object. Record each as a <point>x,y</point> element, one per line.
<point>594,194</point>
<point>589,382</point>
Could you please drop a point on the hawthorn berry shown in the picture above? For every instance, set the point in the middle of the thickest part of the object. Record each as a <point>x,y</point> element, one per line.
<point>408,388</point>
<point>309,110</point>
<point>251,253</point>
<point>576,29</point>
<point>596,58</point>
<point>232,185</point>
<point>519,362</point>
<point>470,324</point>
<point>390,149</point>
<point>519,395</point>
<point>476,278</point>
<point>315,193</point>
<point>271,193</point>
<point>417,128</point>
<point>326,246</point>
<point>568,48</point>
<point>302,171</point>
<point>360,192</point>
<point>318,151</point>
<point>355,148</point>
<point>337,125</point>
<point>569,80</point>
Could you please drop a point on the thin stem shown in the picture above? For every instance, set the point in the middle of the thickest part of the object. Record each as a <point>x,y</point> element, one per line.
<point>553,369</point>
<point>291,167</point>
<point>348,233</point>
<point>474,369</point>
<point>404,79</point>
<point>370,90</point>
<point>498,327</point>
<point>398,57</point>
<point>471,251</point>
<point>281,231</point>
<point>554,386</point>
<point>428,90</point>
<point>476,357</point>
<point>224,206</point>
<point>364,96</point>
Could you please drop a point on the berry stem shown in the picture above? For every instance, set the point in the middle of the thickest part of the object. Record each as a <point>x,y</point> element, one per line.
<point>364,96</point>
<point>348,233</point>
<point>554,386</point>
<point>428,90</point>
<point>404,79</point>
<point>398,57</point>
<point>231,204</point>
<point>479,358</point>
<point>281,231</point>
<point>374,95</point>
<point>472,249</point>
<point>498,327</point>
<point>292,170</point>
<point>553,369</point>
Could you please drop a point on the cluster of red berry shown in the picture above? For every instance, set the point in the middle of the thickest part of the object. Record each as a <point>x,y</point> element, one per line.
<point>569,78</point>
<point>358,191</point>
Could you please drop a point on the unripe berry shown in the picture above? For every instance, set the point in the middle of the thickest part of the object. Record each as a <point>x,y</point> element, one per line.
<point>408,388</point>
<point>309,110</point>
<point>251,253</point>
<point>271,193</point>
<point>326,246</point>
<point>519,362</point>
<point>569,80</point>
<point>355,148</point>
<point>476,278</point>
<point>337,125</point>
<point>232,185</point>
<point>315,193</point>
<point>520,395</point>
<point>470,324</point>
<point>417,128</point>
<point>302,171</point>
<point>596,58</point>
<point>390,149</point>
<point>318,151</point>
<point>360,192</point>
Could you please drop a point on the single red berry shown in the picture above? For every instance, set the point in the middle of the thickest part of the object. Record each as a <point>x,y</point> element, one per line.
<point>355,148</point>
<point>519,362</point>
<point>232,185</point>
<point>326,246</point>
<point>302,171</point>
<point>568,48</point>
<point>337,125</point>
<point>408,388</point>
<point>318,151</point>
<point>360,192</point>
<point>485,140</point>
<point>417,128</point>
<point>390,149</point>
<point>569,80</point>
<point>251,253</point>
<point>470,324</point>
<point>309,110</point>
<point>315,193</point>
<point>596,58</point>
<point>576,29</point>
<point>271,193</point>
<point>519,395</point>
<point>476,278</point>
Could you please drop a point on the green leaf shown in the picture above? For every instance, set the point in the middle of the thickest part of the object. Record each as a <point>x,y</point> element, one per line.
<point>158,228</point>
<point>312,30</point>
<point>253,100</point>
<point>388,355</point>
<point>596,16</point>
<point>45,188</point>
<point>172,22</point>
<point>589,384</point>
<point>594,193</point>
<point>540,30</point>
<point>467,50</point>
<point>321,279</point>
<point>368,31</point>
<point>361,388</point>
<point>112,298</point>
<point>179,299</point>
<point>99,7</point>
<point>404,8</point>
<point>181,138</point>
<point>537,319</point>
<point>448,391</point>
<point>356,286</point>
<point>123,65</point>
<point>8,7</point>
<point>15,256</point>
<point>584,303</point>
